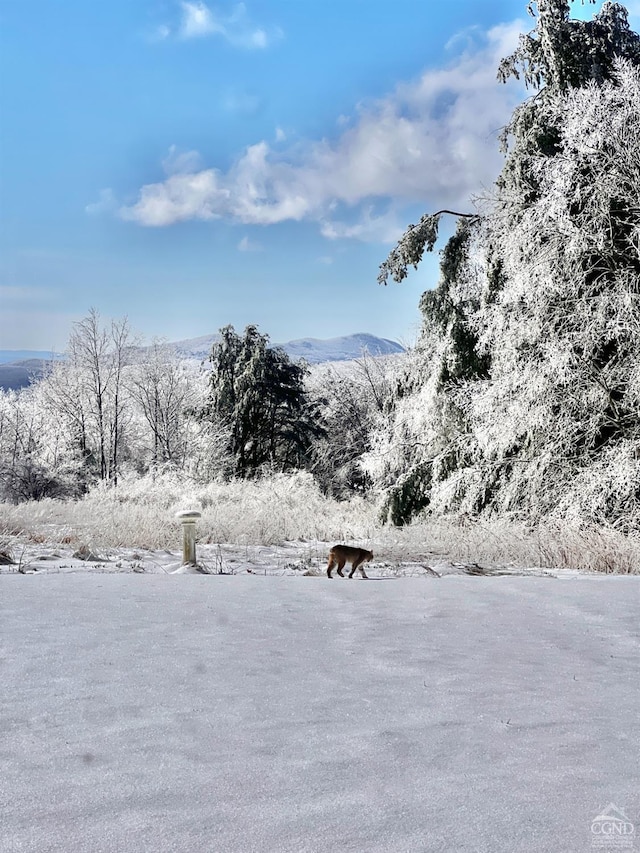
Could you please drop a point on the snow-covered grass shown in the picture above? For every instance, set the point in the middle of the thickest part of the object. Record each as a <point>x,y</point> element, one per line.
<point>500,542</point>
<point>141,513</point>
<point>290,513</point>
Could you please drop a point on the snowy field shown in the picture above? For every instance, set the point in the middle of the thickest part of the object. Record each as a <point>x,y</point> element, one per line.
<point>255,712</point>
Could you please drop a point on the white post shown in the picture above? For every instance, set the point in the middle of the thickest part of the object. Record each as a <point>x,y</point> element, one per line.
<point>188,517</point>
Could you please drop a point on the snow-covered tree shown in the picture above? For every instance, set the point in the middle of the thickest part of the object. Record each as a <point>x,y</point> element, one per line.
<point>86,392</point>
<point>260,394</point>
<point>164,390</point>
<point>564,330</point>
<point>168,394</point>
<point>352,397</point>
<point>36,458</point>
<point>524,397</point>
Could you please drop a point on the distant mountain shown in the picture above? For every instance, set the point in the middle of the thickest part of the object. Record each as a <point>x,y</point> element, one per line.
<point>198,348</point>
<point>346,348</point>
<point>21,373</point>
<point>313,350</point>
<point>19,367</point>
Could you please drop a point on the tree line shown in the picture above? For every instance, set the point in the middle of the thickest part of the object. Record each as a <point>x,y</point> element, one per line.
<point>111,408</point>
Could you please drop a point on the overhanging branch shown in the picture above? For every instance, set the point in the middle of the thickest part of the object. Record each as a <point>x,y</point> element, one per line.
<point>412,245</point>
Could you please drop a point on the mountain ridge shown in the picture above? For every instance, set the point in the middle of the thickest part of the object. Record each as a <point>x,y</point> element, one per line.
<point>19,367</point>
<point>313,350</point>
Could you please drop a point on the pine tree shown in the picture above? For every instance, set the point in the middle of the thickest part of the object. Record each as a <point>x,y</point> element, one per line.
<point>260,394</point>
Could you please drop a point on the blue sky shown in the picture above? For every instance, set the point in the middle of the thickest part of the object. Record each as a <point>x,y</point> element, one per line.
<point>192,164</point>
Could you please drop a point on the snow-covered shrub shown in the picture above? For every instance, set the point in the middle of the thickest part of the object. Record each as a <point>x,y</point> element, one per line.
<point>511,543</point>
<point>291,509</point>
<point>141,513</point>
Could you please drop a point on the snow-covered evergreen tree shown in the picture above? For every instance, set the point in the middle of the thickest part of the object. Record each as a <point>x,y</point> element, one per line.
<point>260,395</point>
<point>525,394</point>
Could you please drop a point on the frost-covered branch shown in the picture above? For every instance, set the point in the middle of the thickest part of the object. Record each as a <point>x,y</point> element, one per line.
<point>412,245</point>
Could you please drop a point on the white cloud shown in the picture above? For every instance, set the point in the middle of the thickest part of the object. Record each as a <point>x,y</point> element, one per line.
<point>432,141</point>
<point>181,162</point>
<point>369,227</point>
<point>464,39</point>
<point>198,20</point>
<point>258,38</point>
<point>106,203</point>
<point>180,197</point>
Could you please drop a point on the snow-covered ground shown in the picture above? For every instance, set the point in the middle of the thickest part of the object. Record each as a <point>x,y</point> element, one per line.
<point>293,558</point>
<point>183,712</point>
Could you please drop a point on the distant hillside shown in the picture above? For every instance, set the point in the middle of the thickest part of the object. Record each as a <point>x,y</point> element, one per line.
<point>313,350</point>
<point>18,367</point>
<point>346,348</point>
<point>20,373</point>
